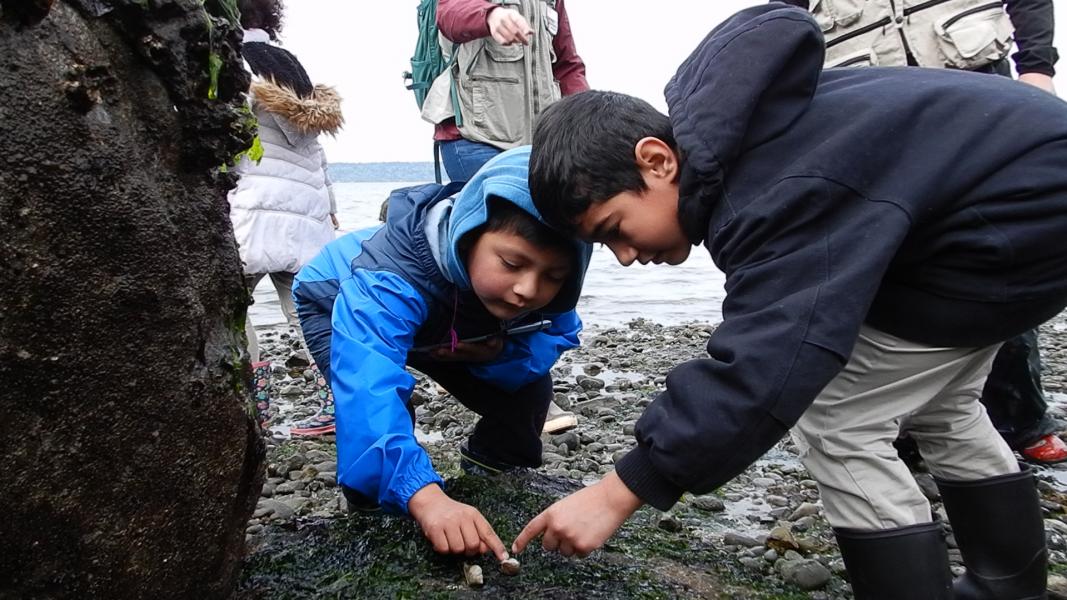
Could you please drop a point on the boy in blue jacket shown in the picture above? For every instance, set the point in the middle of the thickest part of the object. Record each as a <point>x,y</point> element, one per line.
<point>882,231</point>
<point>447,265</point>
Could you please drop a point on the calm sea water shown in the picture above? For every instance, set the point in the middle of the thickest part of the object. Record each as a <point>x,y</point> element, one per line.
<point>613,295</point>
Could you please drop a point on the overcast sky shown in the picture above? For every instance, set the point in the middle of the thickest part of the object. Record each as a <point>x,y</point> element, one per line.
<point>362,47</point>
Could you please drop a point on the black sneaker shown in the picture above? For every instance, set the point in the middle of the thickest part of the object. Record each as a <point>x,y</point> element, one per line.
<point>480,465</point>
<point>358,503</point>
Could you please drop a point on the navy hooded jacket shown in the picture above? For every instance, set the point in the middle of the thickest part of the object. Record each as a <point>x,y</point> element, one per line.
<point>930,204</point>
<point>403,285</point>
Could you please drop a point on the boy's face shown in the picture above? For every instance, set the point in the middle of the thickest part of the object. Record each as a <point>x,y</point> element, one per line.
<point>642,226</point>
<point>512,276</point>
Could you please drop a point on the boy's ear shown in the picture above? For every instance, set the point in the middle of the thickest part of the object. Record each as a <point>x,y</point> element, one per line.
<point>656,158</point>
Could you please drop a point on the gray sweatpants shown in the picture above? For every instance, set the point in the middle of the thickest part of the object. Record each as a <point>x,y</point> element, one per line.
<point>891,385</point>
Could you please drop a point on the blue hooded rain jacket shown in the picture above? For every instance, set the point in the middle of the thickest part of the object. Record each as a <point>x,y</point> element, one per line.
<point>401,285</point>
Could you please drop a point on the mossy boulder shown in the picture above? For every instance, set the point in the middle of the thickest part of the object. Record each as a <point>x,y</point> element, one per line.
<point>130,464</point>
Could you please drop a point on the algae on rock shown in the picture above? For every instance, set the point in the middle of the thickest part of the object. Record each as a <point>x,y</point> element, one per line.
<point>375,556</point>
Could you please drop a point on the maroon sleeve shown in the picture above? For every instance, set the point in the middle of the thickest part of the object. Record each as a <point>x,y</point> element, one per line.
<point>569,70</point>
<point>463,21</point>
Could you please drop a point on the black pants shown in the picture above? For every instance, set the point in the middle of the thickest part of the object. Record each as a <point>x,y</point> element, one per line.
<point>1013,396</point>
<point>509,432</point>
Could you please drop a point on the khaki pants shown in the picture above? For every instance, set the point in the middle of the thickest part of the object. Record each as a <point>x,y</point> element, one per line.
<point>891,385</point>
<point>283,284</point>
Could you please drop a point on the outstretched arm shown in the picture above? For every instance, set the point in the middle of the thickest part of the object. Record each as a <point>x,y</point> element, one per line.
<point>375,318</point>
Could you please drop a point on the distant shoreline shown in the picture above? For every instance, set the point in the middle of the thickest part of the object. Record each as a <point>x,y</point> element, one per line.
<point>381,172</point>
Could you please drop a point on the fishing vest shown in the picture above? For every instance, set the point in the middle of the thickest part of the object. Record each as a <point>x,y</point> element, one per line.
<point>499,90</point>
<point>957,34</point>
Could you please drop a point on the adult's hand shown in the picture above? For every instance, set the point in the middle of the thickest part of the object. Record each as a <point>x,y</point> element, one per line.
<point>508,26</point>
<point>453,527</point>
<point>1039,80</point>
<point>583,521</point>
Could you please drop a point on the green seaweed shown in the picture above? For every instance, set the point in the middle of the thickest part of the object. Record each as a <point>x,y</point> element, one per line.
<point>383,556</point>
<point>214,67</point>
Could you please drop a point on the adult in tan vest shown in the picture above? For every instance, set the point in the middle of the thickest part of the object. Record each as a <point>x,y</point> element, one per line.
<point>514,59</point>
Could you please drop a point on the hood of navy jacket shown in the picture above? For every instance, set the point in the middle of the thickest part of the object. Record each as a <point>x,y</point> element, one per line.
<point>760,90</point>
<point>504,176</point>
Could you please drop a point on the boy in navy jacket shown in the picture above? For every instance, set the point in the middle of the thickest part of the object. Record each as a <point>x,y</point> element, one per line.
<point>447,265</point>
<point>882,230</point>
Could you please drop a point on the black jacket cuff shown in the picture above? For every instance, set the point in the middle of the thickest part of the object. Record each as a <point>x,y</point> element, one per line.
<point>636,471</point>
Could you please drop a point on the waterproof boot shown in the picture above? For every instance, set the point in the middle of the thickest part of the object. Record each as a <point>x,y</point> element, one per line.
<point>261,392</point>
<point>897,564</point>
<point>1000,533</point>
<point>324,422</point>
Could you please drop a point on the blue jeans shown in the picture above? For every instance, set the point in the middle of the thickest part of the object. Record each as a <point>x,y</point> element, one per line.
<point>463,158</point>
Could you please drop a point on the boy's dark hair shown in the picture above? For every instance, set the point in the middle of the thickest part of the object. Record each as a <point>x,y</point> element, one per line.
<point>507,217</point>
<point>262,14</point>
<point>583,152</point>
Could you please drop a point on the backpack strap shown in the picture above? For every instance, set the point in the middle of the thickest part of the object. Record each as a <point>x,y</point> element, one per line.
<point>437,161</point>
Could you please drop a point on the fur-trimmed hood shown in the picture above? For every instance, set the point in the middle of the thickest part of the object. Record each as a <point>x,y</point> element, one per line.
<point>318,113</point>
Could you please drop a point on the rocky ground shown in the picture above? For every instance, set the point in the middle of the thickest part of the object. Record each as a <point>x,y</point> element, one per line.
<point>762,535</point>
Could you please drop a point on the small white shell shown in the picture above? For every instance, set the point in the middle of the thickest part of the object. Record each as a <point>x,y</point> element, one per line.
<point>510,566</point>
<point>473,574</point>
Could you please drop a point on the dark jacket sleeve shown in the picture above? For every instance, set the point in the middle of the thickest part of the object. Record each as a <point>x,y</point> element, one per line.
<point>1034,23</point>
<point>803,265</point>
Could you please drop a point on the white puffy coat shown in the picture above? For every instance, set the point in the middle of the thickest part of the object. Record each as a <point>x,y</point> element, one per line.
<point>281,206</point>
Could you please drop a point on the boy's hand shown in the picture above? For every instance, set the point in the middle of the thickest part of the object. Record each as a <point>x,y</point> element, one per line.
<point>453,527</point>
<point>471,351</point>
<point>508,26</point>
<point>583,521</point>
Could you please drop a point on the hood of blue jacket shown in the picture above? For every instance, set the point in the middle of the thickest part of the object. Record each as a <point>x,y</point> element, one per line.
<point>504,176</point>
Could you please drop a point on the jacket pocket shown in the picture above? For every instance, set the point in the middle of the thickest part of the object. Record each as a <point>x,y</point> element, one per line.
<point>831,14</point>
<point>974,37</point>
<point>497,93</point>
<point>863,58</point>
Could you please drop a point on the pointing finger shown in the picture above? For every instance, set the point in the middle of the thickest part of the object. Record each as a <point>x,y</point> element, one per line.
<point>533,529</point>
<point>490,538</point>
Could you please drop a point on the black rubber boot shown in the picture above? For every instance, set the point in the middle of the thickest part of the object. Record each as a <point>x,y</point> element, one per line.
<point>905,563</point>
<point>1000,532</point>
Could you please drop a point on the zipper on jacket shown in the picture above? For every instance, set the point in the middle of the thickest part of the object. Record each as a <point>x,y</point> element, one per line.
<point>910,10</point>
<point>852,61</point>
<point>971,11</point>
<point>494,79</point>
<point>861,31</point>
<point>900,31</point>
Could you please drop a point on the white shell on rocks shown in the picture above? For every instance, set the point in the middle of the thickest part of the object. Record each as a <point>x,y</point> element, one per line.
<point>473,575</point>
<point>510,566</point>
